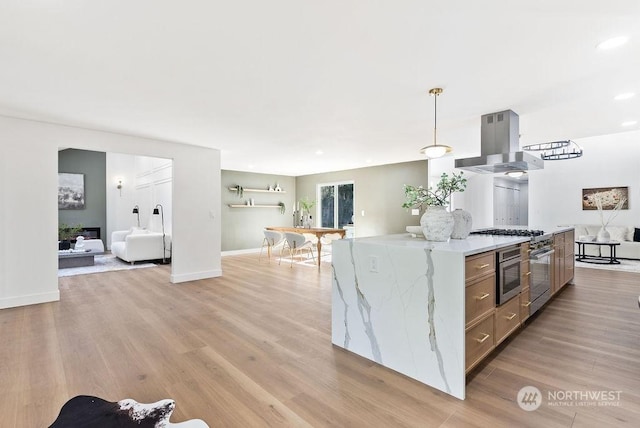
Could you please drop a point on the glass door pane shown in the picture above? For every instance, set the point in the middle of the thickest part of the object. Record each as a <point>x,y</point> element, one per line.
<point>327,206</point>
<point>345,204</point>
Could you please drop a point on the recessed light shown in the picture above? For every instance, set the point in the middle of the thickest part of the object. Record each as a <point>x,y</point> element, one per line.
<point>368,161</point>
<point>624,96</point>
<point>613,42</point>
<point>319,152</point>
<point>629,123</point>
<point>250,166</point>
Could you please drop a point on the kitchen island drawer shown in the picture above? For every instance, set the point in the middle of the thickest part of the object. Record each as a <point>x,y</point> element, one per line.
<point>479,265</point>
<point>525,304</point>
<point>507,319</point>
<point>479,341</point>
<point>480,297</point>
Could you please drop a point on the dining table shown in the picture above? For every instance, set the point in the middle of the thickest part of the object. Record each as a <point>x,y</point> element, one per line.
<point>319,232</point>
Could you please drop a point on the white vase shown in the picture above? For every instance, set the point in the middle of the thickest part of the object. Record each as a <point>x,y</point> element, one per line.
<point>437,224</point>
<point>461,224</point>
<point>603,235</point>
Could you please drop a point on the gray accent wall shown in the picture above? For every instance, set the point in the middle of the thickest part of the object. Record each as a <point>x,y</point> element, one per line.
<point>93,166</point>
<point>378,192</point>
<point>242,228</point>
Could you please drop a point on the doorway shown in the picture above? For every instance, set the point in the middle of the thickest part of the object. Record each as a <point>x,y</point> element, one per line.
<point>336,204</point>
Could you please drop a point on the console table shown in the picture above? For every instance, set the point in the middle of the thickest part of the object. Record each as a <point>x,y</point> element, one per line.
<point>599,259</point>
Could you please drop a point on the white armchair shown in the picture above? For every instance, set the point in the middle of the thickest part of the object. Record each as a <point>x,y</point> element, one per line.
<point>138,244</point>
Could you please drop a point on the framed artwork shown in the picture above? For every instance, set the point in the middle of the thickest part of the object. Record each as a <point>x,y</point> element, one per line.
<point>610,197</point>
<point>70,191</point>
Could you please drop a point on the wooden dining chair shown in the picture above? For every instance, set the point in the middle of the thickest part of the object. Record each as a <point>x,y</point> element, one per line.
<point>296,243</point>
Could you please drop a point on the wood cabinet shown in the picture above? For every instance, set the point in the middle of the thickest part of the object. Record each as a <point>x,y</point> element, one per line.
<point>480,304</point>
<point>479,342</point>
<point>480,298</point>
<point>558,262</point>
<point>507,319</point>
<point>525,281</point>
<point>569,257</point>
<point>563,261</point>
<point>479,265</point>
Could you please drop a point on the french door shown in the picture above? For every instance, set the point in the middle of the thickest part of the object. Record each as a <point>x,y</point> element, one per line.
<point>336,204</point>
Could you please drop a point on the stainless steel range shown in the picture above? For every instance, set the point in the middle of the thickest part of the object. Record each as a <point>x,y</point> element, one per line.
<point>541,275</point>
<point>508,266</point>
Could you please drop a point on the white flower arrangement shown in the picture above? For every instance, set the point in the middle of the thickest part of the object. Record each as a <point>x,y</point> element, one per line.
<point>616,210</point>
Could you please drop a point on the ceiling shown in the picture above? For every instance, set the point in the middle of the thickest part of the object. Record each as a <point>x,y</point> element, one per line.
<point>272,83</point>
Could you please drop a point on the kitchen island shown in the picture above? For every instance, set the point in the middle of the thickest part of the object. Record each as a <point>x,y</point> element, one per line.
<point>400,301</point>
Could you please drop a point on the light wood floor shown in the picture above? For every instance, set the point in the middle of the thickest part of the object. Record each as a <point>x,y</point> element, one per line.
<point>253,349</point>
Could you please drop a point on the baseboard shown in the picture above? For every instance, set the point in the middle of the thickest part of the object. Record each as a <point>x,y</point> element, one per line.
<point>30,299</point>
<point>238,252</point>
<point>194,276</point>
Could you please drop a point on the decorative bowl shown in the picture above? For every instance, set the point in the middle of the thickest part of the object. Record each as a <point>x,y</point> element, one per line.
<point>415,231</point>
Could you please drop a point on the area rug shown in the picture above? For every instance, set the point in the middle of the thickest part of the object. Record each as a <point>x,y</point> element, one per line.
<point>624,266</point>
<point>103,263</point>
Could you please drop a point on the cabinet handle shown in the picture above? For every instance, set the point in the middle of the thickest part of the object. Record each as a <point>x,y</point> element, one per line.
<point>484,296</point>
<point>486,265</point>
<point>529,250</point>
<point>510,317</point>
<point>486,336</point>
<point>528,273</point>
<point>526,305</point>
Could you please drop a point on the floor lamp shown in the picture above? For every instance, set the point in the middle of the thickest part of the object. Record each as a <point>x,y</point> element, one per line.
<point>136,210</point>
<point>160,211</point>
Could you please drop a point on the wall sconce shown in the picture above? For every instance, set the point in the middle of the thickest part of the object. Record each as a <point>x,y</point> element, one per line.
<point>119,186</point>
<point>159,210</point>
<point>136,210</point>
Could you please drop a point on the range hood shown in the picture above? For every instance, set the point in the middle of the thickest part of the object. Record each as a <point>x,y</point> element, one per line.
<point>499,147</point>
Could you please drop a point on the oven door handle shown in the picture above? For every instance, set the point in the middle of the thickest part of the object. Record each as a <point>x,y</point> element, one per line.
<point>541,255</point>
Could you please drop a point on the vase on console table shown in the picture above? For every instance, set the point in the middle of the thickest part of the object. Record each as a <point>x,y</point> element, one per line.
<point>603,235</point>
<point>437,223</point>
<point>461,224</point>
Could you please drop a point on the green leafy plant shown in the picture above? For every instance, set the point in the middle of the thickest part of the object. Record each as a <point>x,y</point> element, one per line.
<point>282,207</point>
<point>66,232</point>
<point>418,197</point>
<point>240,191</point>
<point>306,205</point>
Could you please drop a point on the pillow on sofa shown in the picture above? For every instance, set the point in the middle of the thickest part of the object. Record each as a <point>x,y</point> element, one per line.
<point>136,231</point>
<point>636,235</point>
<point>617,233</point>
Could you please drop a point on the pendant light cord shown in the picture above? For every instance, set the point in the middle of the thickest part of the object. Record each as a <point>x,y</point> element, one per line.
<point>435,117</point>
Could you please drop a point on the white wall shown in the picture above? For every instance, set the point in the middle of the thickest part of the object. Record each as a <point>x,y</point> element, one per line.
<point>555,193</point>
<point>147,182</point>
<point>28,224</point>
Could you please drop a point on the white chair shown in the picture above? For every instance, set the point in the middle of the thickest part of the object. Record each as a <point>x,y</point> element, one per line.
<point>272,239</point>
<point>327,240</point>
<point>296,242</point>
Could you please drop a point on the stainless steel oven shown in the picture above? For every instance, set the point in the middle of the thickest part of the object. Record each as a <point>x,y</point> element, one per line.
<point>541,275</point>
<point>508,274</point>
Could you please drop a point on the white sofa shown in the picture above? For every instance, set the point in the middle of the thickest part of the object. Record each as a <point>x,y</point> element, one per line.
<point>628,248</point>
<point>139,244</point>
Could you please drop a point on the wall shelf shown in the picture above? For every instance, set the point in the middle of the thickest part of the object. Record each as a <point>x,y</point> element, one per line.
<point>235,189</point>
<point>253,206</point>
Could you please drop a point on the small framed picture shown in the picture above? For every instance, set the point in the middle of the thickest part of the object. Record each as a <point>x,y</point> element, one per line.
<point>70,191</point>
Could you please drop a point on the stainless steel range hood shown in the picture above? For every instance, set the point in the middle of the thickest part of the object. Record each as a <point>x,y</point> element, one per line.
<point>499,147</point>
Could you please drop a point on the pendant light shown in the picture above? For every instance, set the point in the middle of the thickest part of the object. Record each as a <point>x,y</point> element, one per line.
<point>435,150</point>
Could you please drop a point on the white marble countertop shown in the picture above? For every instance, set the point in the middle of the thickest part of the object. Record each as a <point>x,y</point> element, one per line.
<point>474,244</point>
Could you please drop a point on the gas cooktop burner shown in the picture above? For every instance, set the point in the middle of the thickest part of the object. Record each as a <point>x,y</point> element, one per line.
<point>508,232</point>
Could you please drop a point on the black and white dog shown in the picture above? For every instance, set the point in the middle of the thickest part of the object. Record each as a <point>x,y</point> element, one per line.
<point>93,412</point>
